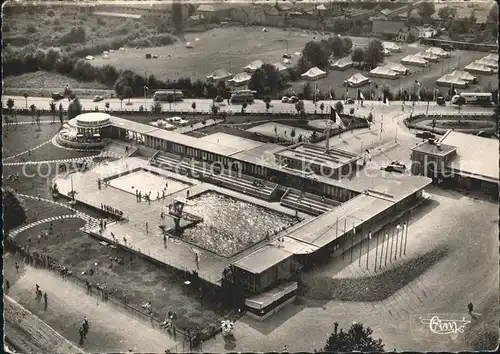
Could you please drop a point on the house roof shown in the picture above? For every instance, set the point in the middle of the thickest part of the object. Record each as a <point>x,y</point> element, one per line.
<point>434,149</point>
<point>357,78</point>
<point>464,75</point>
<point>241,77</point>
<point>386,12</point>
<point>475,155</point>
<point>279,66</point>
<point>383,70</point>
<point>262,259</point>
<point>396,67</point>
<point>451,79</point>
<point>220,74</point>
<point>343,62</point>
<point>314,72</point>
<point>414,59</point>
<point>254,65</point>
<point>479,67</point>
<point>488,62</point>
<point>390,45</point>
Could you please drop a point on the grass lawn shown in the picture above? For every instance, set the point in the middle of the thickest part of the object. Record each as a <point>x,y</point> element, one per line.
<point>42,83</point>
<point>282,131</point>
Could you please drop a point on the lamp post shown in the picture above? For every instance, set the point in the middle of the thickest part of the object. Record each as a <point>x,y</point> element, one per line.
<point>392,245</point>
<point>368,248</point>
<point>96,276</point>
<point>398,227</point>
<point>386,247</point>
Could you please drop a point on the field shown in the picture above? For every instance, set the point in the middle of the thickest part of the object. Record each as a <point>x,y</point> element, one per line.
<point>229,48</point>
<point>464,9</point>
<point>42,83</point>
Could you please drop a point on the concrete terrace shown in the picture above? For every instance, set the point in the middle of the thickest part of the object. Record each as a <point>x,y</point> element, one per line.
<point>178,254</point>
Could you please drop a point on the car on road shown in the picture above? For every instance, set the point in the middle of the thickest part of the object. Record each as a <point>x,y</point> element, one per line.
<point>98,98</point>
<point>425,135</point>
<point>350,101</point>
<point>440,100</point>
<point>56,96</point>
<point>285,99</point>
<point>293,99</point>
<point>395,166</point>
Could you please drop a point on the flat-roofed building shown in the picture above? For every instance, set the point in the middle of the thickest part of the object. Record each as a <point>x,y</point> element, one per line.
<point>459,159</point>
<point>333,162</point>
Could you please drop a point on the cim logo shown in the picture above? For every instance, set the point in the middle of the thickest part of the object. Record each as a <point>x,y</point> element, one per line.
<point>446,325</point>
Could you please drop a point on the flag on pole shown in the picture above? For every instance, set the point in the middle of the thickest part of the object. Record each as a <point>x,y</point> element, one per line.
<point>334,116</point>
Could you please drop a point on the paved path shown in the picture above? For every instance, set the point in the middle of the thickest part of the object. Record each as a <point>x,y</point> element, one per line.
<point>203,105</point>
<point>111,330</point>
<point>27,151</point>
<point>74,159</point>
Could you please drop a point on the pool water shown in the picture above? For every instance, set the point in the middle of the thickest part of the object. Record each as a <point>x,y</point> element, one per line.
<point>231,225</point>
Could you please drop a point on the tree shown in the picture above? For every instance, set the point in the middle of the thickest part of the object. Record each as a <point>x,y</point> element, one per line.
<point>107,106</point>
<point>447,13</point>
<point>370,117</point>
<point>374,53</point>
<point>128,93</point>
<point>53,110</point>
<point>307,91</point>
<point>193,106</point>
<point>33,111</point>
<point>292,134</point>
<point>426,10</point>
<point>299,106</point>
<point>322,107</point>
<point>339,107</point>
<point>214,108</point>
<point>156,107</point>
<point>243,107</point>
<point>460,102</point>
<point>26,99</point>
<point>266,80</point>
<point>10,105</point>
<point>74,108</point>
<point>337,46</point>
<point>358,55</point>
<point>315,54</point>
<point>357,338</point>
<point>177,15</point>
<point>347,44</point>
<point>268,105</point>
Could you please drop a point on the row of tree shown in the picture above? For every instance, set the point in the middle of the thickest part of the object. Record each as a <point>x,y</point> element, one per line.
<point>318,53</point>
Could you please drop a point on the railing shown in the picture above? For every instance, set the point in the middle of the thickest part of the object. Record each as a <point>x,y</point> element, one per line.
<point>45,262</point>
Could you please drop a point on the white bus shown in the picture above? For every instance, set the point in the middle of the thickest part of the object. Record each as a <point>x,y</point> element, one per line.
<point>479,98</point>
<point>242,96</point>
<point>166,95</point>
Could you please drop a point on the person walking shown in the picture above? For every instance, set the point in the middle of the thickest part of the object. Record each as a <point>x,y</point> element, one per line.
<point>81,332</point>
<point>17,267</point>
<point>470,307</point>
<point>45,301</point>
<point>165,241</point>
<point>146,227</point>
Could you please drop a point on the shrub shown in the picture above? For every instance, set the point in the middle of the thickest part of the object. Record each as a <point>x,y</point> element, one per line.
<point>56,21</point>
<point>31,28</point>
<point>50,13</point>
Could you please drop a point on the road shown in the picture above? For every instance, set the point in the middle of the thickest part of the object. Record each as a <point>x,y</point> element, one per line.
<point>203,105</point>
<point>111,329</point>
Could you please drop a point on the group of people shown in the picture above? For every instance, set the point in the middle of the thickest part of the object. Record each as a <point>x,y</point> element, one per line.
<point>111,210</point>
<point>39,295</point>
<point>84,329</point>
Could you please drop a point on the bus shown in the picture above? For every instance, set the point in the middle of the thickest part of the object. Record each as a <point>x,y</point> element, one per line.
<point>243,96</point>
<point>166,95</point>
<point>479,98</point>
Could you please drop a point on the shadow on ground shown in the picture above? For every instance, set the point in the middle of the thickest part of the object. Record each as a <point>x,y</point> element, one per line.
<point>379,287</point>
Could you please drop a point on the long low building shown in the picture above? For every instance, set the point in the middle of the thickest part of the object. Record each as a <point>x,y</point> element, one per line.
<point>362,200</point>
<point>459,159</point>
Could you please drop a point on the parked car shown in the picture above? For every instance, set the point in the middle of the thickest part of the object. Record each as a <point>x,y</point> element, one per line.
<point>219,99</point>
<point>285,99</point>
<point>425,135</point>
<point>293,99</point>
<point>56,96</point>
<point>395,166</point>
<point>440,100</point>
<point>98,98</point>
<point>350,101</point>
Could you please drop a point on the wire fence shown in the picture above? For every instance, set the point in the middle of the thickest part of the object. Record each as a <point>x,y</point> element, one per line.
<point>39,260</point>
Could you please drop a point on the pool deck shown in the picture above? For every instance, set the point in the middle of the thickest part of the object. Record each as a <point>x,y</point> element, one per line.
<point>178,253</point>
